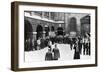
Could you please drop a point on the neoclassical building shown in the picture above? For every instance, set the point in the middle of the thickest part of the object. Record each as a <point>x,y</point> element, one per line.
<point>39,23</point>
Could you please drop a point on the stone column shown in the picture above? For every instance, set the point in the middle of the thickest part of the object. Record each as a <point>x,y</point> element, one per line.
<point>42,14</point>
<point>44,34</point>
<point>66,22</point>
<point>56,16</point>
<point>78,26</point>
<point>49,15</point>
<point>32,13</point>
<point>34,35</point>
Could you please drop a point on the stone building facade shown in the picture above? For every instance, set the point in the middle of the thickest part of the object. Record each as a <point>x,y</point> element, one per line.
<point>38,23</point>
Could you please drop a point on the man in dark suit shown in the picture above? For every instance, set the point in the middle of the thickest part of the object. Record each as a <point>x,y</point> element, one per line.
<point>56,53</point>
<point>76,52</point>
<point>71,43</point>
<point>49,55</point>
<point>80,44</point>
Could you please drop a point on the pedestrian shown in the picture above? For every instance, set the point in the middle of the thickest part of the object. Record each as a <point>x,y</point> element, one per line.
<point>49,55</point>
<point>89,48</point>
<point>84,45</point>
<point>80,44</point>
<point>31,43</point>
<point>28,44</point>
<point>56,53</point>
<point>50,44</point>
<point>38,43</point>
<point>76,52</point>
<point>71,43</point>
<point>85,51</point>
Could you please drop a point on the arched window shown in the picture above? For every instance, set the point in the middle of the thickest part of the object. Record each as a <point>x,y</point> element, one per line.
<point>59,31</point>
<point>47,30</point>
<point>73,24</point>
<point>39,31</point>
<point>52,28</point>
<point>28,29</point>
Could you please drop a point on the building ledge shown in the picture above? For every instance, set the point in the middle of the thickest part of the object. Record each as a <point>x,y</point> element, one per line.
<point>43,19</point>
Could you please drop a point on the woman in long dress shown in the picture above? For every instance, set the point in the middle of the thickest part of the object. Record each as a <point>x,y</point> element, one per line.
<point>76,53</point>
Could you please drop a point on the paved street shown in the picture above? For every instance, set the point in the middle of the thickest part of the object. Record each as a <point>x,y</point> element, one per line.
<point>65,54</point>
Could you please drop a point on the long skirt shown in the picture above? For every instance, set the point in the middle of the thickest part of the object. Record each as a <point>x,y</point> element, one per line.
<point>76,55</point>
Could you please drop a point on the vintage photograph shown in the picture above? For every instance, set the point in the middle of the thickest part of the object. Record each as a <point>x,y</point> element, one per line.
<point>52,36</point>
<point>56,36</point>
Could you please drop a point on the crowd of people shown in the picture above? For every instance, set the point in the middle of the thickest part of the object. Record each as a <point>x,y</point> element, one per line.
<point>81,45</point>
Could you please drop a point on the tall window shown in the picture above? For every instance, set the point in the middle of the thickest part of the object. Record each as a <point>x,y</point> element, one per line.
<point>46,14</point>
<point>73,24</point>
<point>39,13</point>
